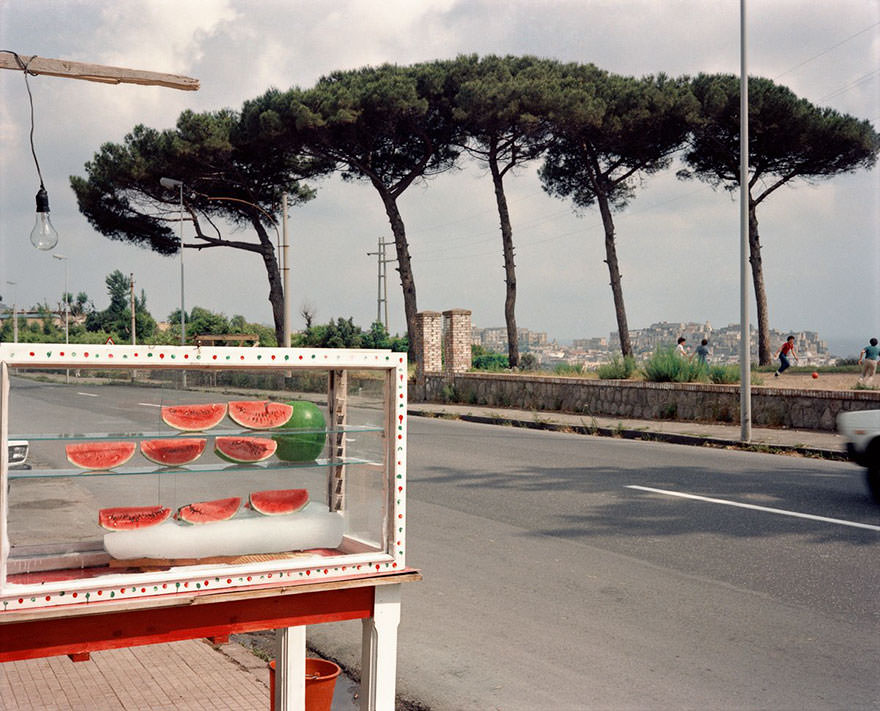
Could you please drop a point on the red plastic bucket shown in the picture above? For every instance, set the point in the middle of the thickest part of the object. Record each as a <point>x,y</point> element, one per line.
<point>320,682</point>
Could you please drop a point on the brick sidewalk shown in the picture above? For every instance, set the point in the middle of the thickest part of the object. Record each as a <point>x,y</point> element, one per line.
<point>178,676</point>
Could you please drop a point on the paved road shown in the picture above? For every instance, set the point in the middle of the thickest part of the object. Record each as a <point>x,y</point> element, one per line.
<point>550,584</point>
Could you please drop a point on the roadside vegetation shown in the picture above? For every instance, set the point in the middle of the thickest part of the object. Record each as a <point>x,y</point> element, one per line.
<point>87,324</point>
<point>662,366</point>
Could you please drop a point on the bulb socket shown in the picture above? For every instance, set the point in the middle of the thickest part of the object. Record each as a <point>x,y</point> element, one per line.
<point>42,200</point>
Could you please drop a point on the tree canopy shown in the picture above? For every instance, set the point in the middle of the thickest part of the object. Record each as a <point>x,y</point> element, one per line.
<point>502,106</point>
<point>223,177</point>
<point>388,125</point>
<point>608,130</point>
<point>789,139</point>
<point>599,135</point>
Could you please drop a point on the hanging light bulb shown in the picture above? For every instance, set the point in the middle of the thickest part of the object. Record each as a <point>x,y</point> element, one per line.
<point>44,235</point>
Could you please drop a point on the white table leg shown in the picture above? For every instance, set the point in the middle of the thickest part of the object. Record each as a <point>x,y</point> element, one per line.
<point>379,650</point>
<point>290,668</point>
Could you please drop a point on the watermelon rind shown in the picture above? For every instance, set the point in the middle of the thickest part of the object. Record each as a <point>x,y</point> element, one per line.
<point>274,502</point>
<point>194,418</point>
<point>244,450</point>
<point>173,452</point>
<point>259,414</point>
<point>131,518</point>
<point>304,447</point>
<point>203,512</point>
<point>98,456</point>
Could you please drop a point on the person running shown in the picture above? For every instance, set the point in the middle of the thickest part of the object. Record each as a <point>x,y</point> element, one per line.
<point>868,360</point>
<point>785,353</point>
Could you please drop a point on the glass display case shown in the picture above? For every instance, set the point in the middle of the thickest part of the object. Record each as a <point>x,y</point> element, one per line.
<point>158,470</point>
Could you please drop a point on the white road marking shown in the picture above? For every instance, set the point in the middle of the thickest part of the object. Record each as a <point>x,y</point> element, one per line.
<point>754,507</point>
<point>149,404</point>
<point>88,394</point>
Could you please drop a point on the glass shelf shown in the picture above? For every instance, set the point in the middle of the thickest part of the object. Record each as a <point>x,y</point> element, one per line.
<point>218,468</point>
<point>175,434</point>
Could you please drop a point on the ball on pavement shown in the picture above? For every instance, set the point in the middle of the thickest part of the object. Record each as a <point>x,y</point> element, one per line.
<point>815,375</point>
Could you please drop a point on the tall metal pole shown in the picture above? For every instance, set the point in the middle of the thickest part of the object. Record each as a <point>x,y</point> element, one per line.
<point>182,310</point>
<point>745,396</point>
<point>131,301</point>
<point>385,284</point>
<point>14,313</point>
<point>285,270</point>
<point>382,280</point>
<point>66,307</point>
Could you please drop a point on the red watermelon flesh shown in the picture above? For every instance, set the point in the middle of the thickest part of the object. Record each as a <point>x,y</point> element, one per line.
<point>100,455</point>
<point>209,511</point>
<point>278,501</point>
<point>194,418</point>
<point>173,452</point>
<point>244,450</point>
<point>130,518</point>
<point>259,414</point>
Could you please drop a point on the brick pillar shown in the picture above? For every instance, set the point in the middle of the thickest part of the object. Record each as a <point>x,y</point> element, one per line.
<point>457,340</point>
<point>429,330</point>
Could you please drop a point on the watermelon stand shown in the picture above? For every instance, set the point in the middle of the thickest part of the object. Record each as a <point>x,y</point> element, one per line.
<point>105,545</point>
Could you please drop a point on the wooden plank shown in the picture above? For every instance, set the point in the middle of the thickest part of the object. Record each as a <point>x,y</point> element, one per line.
<point>88,633</point>
<point>96,72</point>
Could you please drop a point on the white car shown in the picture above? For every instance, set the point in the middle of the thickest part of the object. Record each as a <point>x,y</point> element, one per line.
<point>18,452</point>
<point>862,432</point>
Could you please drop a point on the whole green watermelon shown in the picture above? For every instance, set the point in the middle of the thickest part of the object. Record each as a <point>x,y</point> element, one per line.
<point>302,447</point>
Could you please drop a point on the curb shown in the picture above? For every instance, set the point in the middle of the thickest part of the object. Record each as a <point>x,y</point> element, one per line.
<point>639,434</point>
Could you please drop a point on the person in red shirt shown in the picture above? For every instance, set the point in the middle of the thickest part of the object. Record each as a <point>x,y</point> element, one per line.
<point>785,352</point>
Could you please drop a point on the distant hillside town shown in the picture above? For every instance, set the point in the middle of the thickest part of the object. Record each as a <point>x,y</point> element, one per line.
<point>723,343</point>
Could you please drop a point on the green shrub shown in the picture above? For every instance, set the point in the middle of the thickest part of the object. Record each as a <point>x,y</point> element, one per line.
<point>617,368</point>
<point>493,362</point>
<point>565,369</point>
<point>528,361</point>
<point>666,366</point>
<point>724,374</point>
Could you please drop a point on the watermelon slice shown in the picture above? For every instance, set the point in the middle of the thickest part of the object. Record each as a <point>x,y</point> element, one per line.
<point>259,414</point>
<point>130,518</point>
<point>173,452</point>
<point>194,418</point>
<point>100,455</point>
<point>244,450</point>
<point>278,501</point>
<point>209,511</point>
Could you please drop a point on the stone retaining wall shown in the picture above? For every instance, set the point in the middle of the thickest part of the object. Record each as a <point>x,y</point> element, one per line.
<point>771,407</point>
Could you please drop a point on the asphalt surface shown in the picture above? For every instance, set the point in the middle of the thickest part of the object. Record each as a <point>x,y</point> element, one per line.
<point>550,583</point>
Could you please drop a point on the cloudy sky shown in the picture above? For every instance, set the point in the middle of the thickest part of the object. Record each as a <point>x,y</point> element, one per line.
<point>678,243</point>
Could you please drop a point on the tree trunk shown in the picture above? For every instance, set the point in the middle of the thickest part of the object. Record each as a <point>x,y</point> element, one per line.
<point>276,290</point>
<point>404,268</point>
<point>509,266</point>
<point>614,272</point>
<point>764,348</point>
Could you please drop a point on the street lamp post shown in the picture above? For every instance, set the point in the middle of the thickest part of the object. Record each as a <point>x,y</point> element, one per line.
<point>14,313</point>
<point>66,307</point>
<point>172,183</point>
<point>65,298</point>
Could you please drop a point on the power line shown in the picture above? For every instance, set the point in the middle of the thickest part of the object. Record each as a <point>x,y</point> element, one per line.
<point>829,49</point>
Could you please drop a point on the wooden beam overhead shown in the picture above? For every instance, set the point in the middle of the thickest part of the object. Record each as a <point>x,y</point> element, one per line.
<point>95,72</point>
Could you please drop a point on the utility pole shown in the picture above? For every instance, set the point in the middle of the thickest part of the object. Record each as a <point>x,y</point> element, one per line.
<point>382,285</point>
<point>285,270</point>
<point>14,313</point>
<point>131,298</point>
